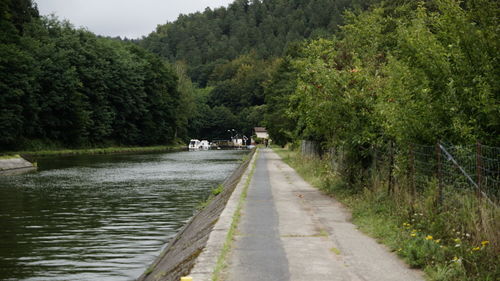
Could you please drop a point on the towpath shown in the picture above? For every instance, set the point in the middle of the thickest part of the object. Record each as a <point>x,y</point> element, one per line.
<point>291,231</point>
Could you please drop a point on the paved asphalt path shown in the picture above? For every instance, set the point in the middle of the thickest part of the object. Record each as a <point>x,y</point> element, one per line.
<point>260,254</point>
<point>291,231</point>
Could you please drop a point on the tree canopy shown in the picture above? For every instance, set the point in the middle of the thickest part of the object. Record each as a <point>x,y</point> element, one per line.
<point>344,73</point>
<point>69,87</point>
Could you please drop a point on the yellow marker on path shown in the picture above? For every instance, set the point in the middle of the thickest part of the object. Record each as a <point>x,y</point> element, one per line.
<point>187,278</point>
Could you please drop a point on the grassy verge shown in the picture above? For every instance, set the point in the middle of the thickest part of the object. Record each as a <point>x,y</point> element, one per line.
<point>228,243</point>
<point>10,156</point>
<point>91,151</point>
<point>457,240</point>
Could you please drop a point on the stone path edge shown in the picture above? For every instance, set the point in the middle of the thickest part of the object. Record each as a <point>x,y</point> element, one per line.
<point>207,261</point>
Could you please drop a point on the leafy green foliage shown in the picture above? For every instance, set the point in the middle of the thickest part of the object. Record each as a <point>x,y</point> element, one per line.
<point>410,73</point>
<point>73,88</point>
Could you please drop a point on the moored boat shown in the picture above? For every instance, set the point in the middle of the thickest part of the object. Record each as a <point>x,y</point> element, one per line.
<point>194,144</point>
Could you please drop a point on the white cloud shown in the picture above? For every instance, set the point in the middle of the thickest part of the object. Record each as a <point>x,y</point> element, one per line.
<point>126,18</point>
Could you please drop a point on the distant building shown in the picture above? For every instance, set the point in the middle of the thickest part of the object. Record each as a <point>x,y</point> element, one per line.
<point>261,132</point>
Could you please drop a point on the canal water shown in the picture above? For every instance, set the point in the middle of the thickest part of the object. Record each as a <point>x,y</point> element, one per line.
<point>102,217</point>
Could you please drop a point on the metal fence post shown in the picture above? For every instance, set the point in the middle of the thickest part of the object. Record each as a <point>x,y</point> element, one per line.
<point>439,173</point>
<point>391,167</point>
<point>411,170</point>
<point>478,168</point>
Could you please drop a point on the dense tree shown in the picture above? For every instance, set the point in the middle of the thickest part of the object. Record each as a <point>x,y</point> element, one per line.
<point>266,27</point>
<point>407,73</point>
<point>69,87</point>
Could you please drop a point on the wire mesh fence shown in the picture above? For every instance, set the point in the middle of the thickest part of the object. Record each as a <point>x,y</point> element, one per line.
<point>466,167</point>
<point>474,167</point>
<point>489,170</point>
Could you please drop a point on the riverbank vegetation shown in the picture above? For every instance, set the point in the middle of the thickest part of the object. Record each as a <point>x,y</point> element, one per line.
<point>13,156</point>
<point>104,150</point>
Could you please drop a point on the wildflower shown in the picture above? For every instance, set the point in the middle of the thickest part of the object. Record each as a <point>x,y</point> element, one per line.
<point>457,245</point>
<point>476,249</point>
<point>413,234</point>
<point>455,259</point>
<point>428,237</point>
<point>467,234</point>
<point>457,240</point>
<point>484,243</point>
<point>437,240</point>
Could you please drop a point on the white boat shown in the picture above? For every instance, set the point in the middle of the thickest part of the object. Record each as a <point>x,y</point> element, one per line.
<point>194,144</point>
<point>205,145</point>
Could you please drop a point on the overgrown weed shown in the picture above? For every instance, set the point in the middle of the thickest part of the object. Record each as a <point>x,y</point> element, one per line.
<point>457,238</point>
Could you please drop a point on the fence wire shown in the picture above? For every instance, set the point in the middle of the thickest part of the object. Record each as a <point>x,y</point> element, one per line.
<point>475,167</point>
<point>458,166</point>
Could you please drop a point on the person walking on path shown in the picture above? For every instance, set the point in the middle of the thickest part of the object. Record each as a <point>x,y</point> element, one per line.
<point>291,231</point>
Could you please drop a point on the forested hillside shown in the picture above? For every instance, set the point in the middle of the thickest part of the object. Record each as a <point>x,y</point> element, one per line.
<point>62,86</point>
<point>213,37</point>
<point>230,53</point>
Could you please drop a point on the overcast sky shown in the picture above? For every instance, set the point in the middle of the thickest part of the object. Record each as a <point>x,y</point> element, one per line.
<point>125,18</point>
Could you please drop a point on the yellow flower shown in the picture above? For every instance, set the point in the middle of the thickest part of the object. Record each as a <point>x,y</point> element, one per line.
<point>413,234</point>
<point>455,258</point>
<point>428,237</point>
<point>476,249</point>
<point>437,240</point>
<point>484,243</point>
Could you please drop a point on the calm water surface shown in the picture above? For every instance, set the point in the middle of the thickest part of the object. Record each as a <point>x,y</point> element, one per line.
<point>101,217</point>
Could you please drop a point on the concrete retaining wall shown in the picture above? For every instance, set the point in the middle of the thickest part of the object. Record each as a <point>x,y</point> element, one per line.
<point>15,165</point>
<point>182,252</point>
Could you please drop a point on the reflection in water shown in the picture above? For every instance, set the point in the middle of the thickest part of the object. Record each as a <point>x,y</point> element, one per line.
<point>101,217</point>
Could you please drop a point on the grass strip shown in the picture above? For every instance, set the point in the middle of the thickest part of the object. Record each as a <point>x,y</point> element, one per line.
<point>10,156</point>
<point>93,151</point>
<point>228,243</point>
